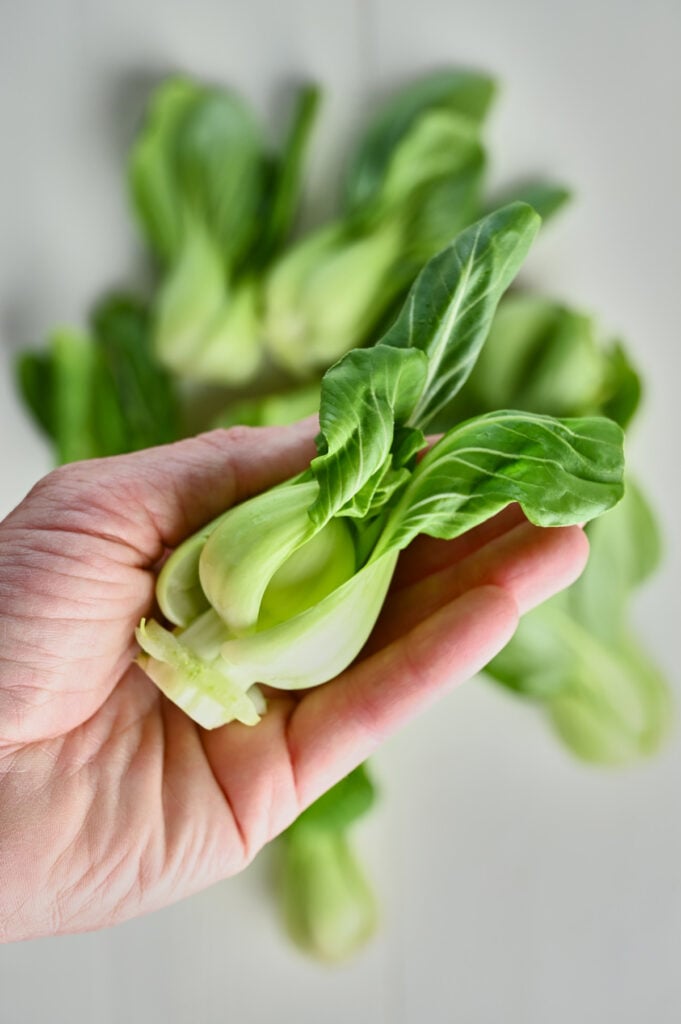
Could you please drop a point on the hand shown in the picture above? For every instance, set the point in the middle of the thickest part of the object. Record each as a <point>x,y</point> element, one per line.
<point>112,801</point>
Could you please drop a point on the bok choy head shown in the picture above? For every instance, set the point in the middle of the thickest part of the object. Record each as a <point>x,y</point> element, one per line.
<point>284,589</point>
<point>214,204</point>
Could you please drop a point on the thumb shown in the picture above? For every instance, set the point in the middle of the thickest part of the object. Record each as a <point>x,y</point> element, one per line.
<point>151,500</point>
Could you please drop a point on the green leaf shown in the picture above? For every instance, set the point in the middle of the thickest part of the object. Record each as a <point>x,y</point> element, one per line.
<point>464,92</point>
<point>272,410</point>
<point>541,357</point>
<point>341,805</point>
<point>605,697</point>
<point>625,549</point>
<point>220,170</point>
<point>144,393</point>
<point>328,906</point>
<point>616,707</point>
<point>363,397</point>
<point>622,387</point>
<point>559,471</point>
<point>35,380</point>
<point>539,659</point>
<point>74,369</point>
<point>286,185</point>
<point>546,197</point>
<point>199,156</point>
<point>449,309</point>
<point>442,209</point>
<point>154,188</point>
<point>307,326</point>
<point>440,146</point>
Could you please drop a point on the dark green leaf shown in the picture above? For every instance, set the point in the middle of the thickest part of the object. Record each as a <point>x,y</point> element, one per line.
<point>440,211</point>
<point>559,471</point>
<point>622,387</point>
<point>35,378</point>
<point>143,392</point>
<point>363,397</point>
<point>287,179</point>
<point>449,309</point>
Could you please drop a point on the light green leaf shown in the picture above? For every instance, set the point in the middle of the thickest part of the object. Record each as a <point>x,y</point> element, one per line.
<point>326,292</point>
<point>266,561</point>
<point>316,645</point>
<point>328,906</point>
<point>616,706</point>
<point>274,410</point>
<point>604,695</point>
<point>624,550</point>
<point>154,188</point>
<point>449,309</point>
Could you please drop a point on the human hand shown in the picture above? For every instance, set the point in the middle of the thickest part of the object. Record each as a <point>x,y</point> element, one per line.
<point>112,801</point>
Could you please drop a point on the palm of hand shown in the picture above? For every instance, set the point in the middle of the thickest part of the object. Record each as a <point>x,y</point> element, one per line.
<point>112,801</point>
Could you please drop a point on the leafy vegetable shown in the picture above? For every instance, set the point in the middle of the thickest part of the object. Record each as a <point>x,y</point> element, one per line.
<point>247,626</point>
<point>101,394</point>
<point>415,181</point>
<point>328,906</point>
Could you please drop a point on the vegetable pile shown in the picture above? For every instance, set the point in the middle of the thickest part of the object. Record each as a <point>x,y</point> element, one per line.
<point>399,292</point>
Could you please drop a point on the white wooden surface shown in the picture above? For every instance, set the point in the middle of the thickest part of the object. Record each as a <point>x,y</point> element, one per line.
<point>517,885</point>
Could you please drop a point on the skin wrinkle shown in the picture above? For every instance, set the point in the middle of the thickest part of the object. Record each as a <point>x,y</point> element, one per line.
<point>245,844</point>
<point>128,740</point>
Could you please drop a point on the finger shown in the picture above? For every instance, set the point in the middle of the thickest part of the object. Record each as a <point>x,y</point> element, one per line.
<point>426,555</point>
<point>151,500</point>
<point>530,562</point>
<point>336,727</point>
<point>442,631</point>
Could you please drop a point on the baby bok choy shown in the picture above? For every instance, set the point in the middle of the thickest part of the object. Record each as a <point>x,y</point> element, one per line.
<point>285,588</point>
